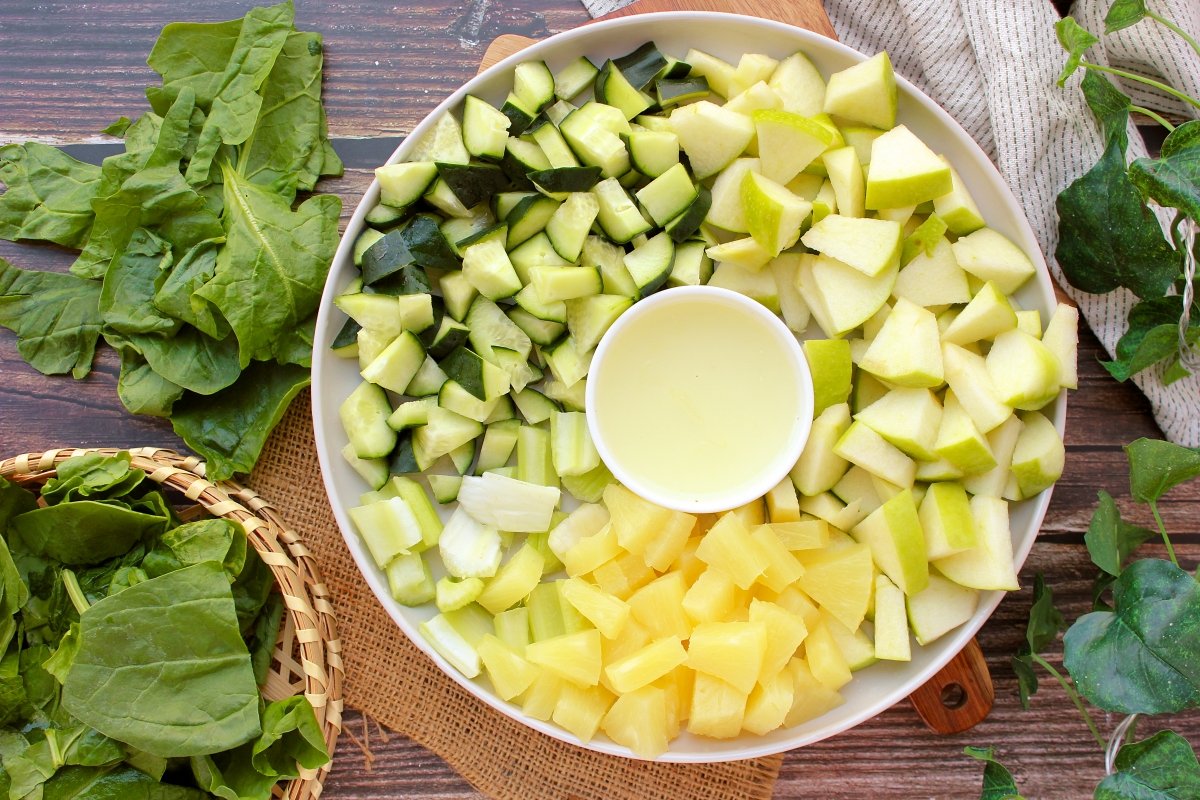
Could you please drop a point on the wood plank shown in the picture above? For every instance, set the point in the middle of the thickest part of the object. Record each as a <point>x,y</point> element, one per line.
<point>808,14</point>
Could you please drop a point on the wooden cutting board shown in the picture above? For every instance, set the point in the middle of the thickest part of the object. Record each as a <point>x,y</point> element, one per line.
<point>960,696</point>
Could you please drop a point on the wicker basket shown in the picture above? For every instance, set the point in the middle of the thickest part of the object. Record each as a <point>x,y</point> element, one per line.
<point>308,653</point>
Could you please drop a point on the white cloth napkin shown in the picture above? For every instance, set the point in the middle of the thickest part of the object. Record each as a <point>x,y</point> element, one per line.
<point>992,64</point>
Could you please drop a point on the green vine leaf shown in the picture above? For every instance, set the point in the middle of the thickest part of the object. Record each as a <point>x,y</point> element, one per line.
<point>1173,179</point>
<point>1110,539</point>
<point>1045,623</point>
<point>998,782</point>
<point>1076,40</point>
<point>1123,14</point>
<point>1140,657</point>
<point>1157,466</point>
<point>1163,767</point>
<point>1110,105</point>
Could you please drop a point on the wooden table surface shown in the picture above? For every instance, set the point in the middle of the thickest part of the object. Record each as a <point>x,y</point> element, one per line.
<point>68,69</point>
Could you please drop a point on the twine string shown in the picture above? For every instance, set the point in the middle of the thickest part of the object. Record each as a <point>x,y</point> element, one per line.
<point>1116,742</point>
<point>1188,356</point>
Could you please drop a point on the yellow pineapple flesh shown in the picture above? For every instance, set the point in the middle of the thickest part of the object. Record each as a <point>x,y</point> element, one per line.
<point>728,547</point>
<point>638,720</point>
<point>572,656</point>
<point>841,581</point>
<point>805,534</point>
<point>825,658</point>
<point>591,551</point>
<point>785,633</point>
<point>782,567</point>
<point>658,606</point>
<point>731,651</point>
<point>608,613</point>
<point>717,708</point>
<point>645,666</point>
<point>769,703</point>
<point>580,709</point>
<point>509,673</point>
<point>514,580</point>
<point>711,597</point>
<point>810,697</point>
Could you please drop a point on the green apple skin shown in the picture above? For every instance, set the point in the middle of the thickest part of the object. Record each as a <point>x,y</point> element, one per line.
<point>1023,370</point>
<point>819,468</point>
<point>856,646</point>
<point>846,176</point>
<point>904,171</point>
<point>858,486</point>
<point>773,214</point>
<point>727,210</point>
<point>891,623</point>
<point>788,142</point>
<point>940,608</point>
<point>1002,440</point>
<point>757,284</point>
<point>832,371</point>
<point>970,380</point>
<point>989,564</point>
<point>957,208</point>
<point>959,441</point>
<point>1039,455</point>
<point>893,532</point>
<point>946,519</point>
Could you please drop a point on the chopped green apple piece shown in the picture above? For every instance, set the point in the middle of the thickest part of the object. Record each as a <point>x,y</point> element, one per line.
<point>904,171</point>
<point>862,446</point>
<point>869,245</point>
<point>712,136</point>
<point>792,307</point>
<point>799,85</point>
<point>831,369</point>
<point>727,210</point>
<point>773,214</point>
<point>788,142</point>
<point>891,623</point>
<point>971,381</point>
<point>989,564</point>
<point>893,532</point>
<point>819,467</point>
<point>865,92</point>
<point>1038,457</point>
<point>846,177</point>
<point>1061,337</point>
<point>987,315</point>
<point>957,208</point>
<point>991,256</point>
<point>1023,370</point>
<point>933,279</point>
<point>946,520</point>
<point>841,297</point>
<point>907,351</point>
<point>939,609</point>
<point>908,418</point>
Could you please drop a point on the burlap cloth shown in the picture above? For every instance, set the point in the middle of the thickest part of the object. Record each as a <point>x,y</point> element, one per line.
<point>388,678</point>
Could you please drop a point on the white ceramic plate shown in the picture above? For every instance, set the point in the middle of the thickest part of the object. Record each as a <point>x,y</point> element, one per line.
<point>728,36</point>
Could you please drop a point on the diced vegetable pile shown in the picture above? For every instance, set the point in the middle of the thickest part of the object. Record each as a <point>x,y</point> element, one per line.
<point>511,240</point>
<point>134,646</point>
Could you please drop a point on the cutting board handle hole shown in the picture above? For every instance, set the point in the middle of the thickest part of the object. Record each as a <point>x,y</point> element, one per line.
<point>954,696</point>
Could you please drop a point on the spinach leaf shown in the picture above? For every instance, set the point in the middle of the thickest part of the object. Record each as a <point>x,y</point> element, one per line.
<point>230,428</point>
<point>155,197</point>
<point>191,55</point>
<point>113,783</point>
<point>1108,237</point>
<point>185,687</point>
<point>14,500</point>
<point>1162,767</point>
<point>291,126</point>
<point>236,105</point>
<point>296,348</point>
<point>83,532</point>
<point>140,388</point>
<point>130,283</point>
<point>1076,40</point>
<point>177,295</point>
<point>264,635</point>
<point>252,590</point>
<point>205,540</point>
<point>13,700</point>
<point>998,783</point>
<point>191,359</point>
<point>76,745</point>
<point>1110,106</point>
<point>1124,13</point>
<point>49,195</point>
<point>1109,539</point>
<point>1173,179</point>
<point>1157,466</point>
<point>272,269</point>
<point>92,476</point>
<point>56,318</point>
<point>1140,658</point>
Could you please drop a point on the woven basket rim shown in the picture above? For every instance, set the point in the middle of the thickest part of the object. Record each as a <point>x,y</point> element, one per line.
<point>309,629</point>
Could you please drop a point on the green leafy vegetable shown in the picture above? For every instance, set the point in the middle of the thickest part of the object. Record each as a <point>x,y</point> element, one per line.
<point>1124,13</point>
<point>1140,657</point>
<point>83,532</point>
<point>1110,540</point>
<point>1076,40</point>
<point>193,263</point>
<point>49,195</point>
<point>1162,767</point>
<point>998,783</point>
<point>187,688</point>
<point>56,318</point>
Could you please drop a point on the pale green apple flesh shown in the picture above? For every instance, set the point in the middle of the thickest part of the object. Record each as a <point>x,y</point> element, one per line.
<point>1061,337</point>
<point>712,136</point>
<point>799,84</point>
<point>987,315</point>
<point>751,68</point>
<point>907,351</point>
<point>1001,441</point>
<point>937,470</point>
<point>831,369</point>
<point>946,520</point>
<point>908,418</point>
<point>1023,370</point>
<point>989,564</point>
<point>819,467</point>
<point>757,284</point>
<point>792,307</point>
<point>788,142</point>
<point>861,137</point>
<point>904,171</point>
<point>957,208</point>
<point>1039,455</point>
<point>940,608</point>
<point>773,214</point>
<point>862,446</point>
<point>828,507</point>
<point>959,441</point>
<point>868,245</point>
<point>858,486</point>
<point>756,97</point>
<point>933,279</point>
<point>1029,320</point>
<point>991,256</point>
<point>968,377</point>
<point>727,210</point>
<point>846,297</point>
<point>891,623</point>
<point>846,176</point>
<point>893,532</point>
<point>746,253</point>
<point>865,92</point>
<point>824,202</point>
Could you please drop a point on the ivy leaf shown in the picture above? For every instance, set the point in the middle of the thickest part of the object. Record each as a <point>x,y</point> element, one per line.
<point>1045,622</point>
<point>1027,679</point>
<point>1173,179</point>
<point>1110,539</point>
<point>1163,767</point>
<point>49,195</point>
<point>998,782</point>
<point>1108,236</point>
<point>1076,40</point>
<point>1124,13</point>
<point>1153,335</point>
<point>1140,658</point>
<point>56,318</point>
<point>1157,466</point>
<point>1110,106</point>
